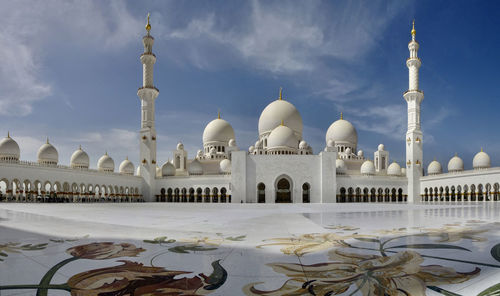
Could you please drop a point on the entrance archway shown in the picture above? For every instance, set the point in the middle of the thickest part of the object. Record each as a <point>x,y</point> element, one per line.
<point>283,191</point>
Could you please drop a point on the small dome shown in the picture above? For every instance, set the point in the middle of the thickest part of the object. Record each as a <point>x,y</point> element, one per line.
<point>277,111</point>
<point>232,143</point>
<point>340,167</point>
<point>9,149</point>
<point>47,154</point>
<point>218,130</point>
<point>225,166</point>
<point>199,154</point>
<point>381,147</point>
<point>282,136</point>
<point>258,144</point>
<point>330,143</point>
<point>168,169</point>
<point>195,168</point>
<point>158,171</point>
<point>360,153</point>
<point>434,168</point>
<point>213,151</point>
<point>180,146</point>
<point>348,151</point>
<point>251,149</point>
<point>303,145</point>
<point>106,164</point>
<point>393,169</point>
<point>342,132</point>
<point>481,160</point>
<point>367,168</point>
<point>126,167</point>
<point>455,164</point>
<point>80,159</point>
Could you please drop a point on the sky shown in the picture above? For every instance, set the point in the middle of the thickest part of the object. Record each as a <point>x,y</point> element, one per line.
<point>70,71</point>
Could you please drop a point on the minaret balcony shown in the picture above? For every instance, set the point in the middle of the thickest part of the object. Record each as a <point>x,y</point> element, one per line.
<point>413,62</point>
<point>413,90</point>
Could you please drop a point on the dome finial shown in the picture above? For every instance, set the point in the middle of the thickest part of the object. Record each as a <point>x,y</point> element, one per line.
<point>481,149</point>
<point>126,157</point>
<point>218,113</point>
<point>47,140</point>
<point>413,31</point>
<point>341,115</point>
<point>80,146</point>
<point>8,134</point>
<point>148,26</point>
<point>281,94</point>
<point>282,122</point>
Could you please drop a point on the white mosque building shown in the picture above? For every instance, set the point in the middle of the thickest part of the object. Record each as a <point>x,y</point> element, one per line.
<point>268,172</point>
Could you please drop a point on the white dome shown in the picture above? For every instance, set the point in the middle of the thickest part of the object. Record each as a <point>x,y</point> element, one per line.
<point>47,154</point>
<point>106,163</point>
<point>168,169</point>
<point>340,166</point>
<point>330,143</point>
<point>218,130</point>
<point>342,132</point>
<point>303,145</point>
<point>9,149</point>
<point>455,164</point>
<point>282,136</point>
<point>277,111</point>
<point>212,151</point>
<point>126,167</point>
<point>381,147</point>
<point>195,168</point>
<point>180,146</point>
<point>481,160</point>
<point>225,166</point>
<point>251,149</point>
<point>80,159</point>
<point>348,151</point>
<point>199,154</point>
<point>360,153</point>
<point>258,144</point>
<point>367,168</point>
<point>434,168</point>
<point>394,169</point>
<point>232,143</point>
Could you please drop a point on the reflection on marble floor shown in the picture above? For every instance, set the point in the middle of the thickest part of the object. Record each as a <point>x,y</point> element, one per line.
<point>102,250</point>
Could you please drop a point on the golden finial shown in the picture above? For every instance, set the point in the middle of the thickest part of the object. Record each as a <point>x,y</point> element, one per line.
<point>106,152</point>
<point>80,147</point>
<point>281,92</point>
<point>148,26</point>
<point>126,157</point>
<point>341,115</point>
<point>8,134</point>
<point>218,113</point>
<point>47,140</point>
<point>413,32</point>
<point>282,122</point>
<point>481,149</point>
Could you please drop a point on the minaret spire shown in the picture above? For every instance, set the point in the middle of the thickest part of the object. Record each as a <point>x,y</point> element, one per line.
<point>414,135</point>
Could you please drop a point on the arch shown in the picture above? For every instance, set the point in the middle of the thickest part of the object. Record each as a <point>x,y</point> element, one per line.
<point>283,188</point>
<point>342,196</point>
<point>487,192</point>
<point>452,193</point>
<point>162,195</point>
<point>496,193</point>
<point>223,194</point>
<point>305,193</point>
<point>373,195</point>
<point>169,195</point>
<point>480,193</point>
<point>466,193</point>
<point>387,195</point>
<point>215,194</point>
<point>447,193</point>
<point>459,193</point>
<point>366,196</point>
<point>191,194</point>
<point>472,192</point>
<point>183,195</point>
<point>400,195</point>
<point>176,195</point>
<point>380,195</point>
<point>358,194</point>
<point>261,193</point>
<point>199,194</point>
<point>394,197</point>
<point>207,194</point>
<point>350,194</point>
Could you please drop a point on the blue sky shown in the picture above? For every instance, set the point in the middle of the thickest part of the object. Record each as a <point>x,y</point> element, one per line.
<point>70,71</point>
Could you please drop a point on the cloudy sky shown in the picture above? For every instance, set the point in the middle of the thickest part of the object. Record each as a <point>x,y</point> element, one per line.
<point>70,71</point>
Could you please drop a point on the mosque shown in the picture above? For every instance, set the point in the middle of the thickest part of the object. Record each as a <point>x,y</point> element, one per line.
<point>267,172</point>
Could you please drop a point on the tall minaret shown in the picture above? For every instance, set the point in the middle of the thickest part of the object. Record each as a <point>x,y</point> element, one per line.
<point>148,93</point>
<point>414,97</point>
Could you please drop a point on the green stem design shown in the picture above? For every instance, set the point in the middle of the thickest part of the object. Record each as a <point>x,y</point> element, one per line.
<point>45,282</point>
<point>55,287</point>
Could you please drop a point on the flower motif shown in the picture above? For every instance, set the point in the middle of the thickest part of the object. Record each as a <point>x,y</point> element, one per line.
<point>454,234</point>
<point>104,250</point>
<point>308,243</point>
<point>132,278</point>
<point>400,274</point>
<point>205,240</point>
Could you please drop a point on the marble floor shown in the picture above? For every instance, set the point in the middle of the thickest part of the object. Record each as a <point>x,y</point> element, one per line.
<point>249,249</point>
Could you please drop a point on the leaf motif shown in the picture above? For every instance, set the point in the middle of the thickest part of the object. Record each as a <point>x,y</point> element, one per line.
<point>367,239</point>
<point>491,291</point>
<point>148,241</point>
<point>3,254</point>
<point>56,240</point>
<point>428,246</point>
<point>186,248</point>
<point>495,252</point>
<point>236,238</point>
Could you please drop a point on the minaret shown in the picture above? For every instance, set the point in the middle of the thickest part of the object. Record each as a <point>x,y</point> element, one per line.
<point>148,93</point>
<point>414,97</point>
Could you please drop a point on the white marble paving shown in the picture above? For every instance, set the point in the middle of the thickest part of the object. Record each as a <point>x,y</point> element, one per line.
<point>230,234</point>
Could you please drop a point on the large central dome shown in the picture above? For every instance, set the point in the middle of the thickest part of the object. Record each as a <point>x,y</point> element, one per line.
<point>275,113</point>
<point>342,132</point>
<point>218,130</point>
